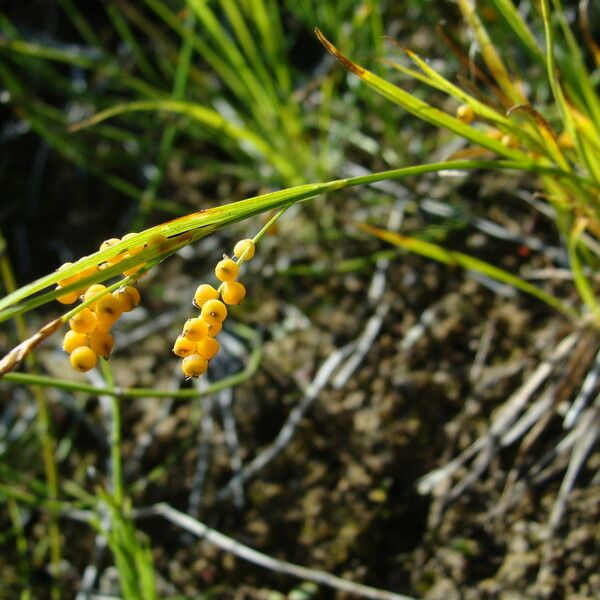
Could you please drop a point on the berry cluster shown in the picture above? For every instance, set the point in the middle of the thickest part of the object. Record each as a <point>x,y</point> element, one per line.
<point>89,335</point>
<point>197,343</point>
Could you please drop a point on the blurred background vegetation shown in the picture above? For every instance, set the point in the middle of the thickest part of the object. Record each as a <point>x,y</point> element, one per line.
<point>216,101</point>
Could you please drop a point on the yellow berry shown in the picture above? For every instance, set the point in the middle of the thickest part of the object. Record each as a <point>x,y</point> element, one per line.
<point>67,298</point>
<point>184,347</point>
<point>214,329</point>
<point>108,243</point>
<point>203,293</point>
<point>68,280</point>
<point>157,239</point>
<point>132,270</point>
<point>93,291</point>
<point>213,311</point>
<point>105,323</point>
<point>207,348</point>
<point>495,134</point>
<point>135,249</point>
<point>233,292</point>
<point>84,321</point>
<point>509,141</point>
<point>108,307</point>
<point>73,340</point>
<point>195,329</point>
<point>465,114</point>
<point>127,297</point>
<point>565,140</point>
<point>226,270</point>
<point>194,365</point>
<point>88,270</point>
<point>83,359</point>
<point>101,343</point>
<point>244,248</point>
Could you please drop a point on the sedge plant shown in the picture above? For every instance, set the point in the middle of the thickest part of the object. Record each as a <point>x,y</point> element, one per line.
<point>557,143</point>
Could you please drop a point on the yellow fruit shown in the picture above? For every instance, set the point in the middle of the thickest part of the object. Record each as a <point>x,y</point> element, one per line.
<point>67,298</point>
<point>509,141</point>
<point>101,343</point>
<point>214,329</point>
<point>226,270</point>
<point>68,280</point>
<point>83,359</point>
<point>74,340</point>
<point>105,324</point>
<point>233,292</point>
<point>84,321</point>
<point>184,347</point>
<point>207,348</point>
<point>108,307</point>
<point>465,114</point>
<point>108,243</point>
<point>194,365</point>
<point>195,329</point>
<point>204,292</point>
<point>132,270</point>
<point>93,291</point>
<point>127,297</point>
<point>244,248</point>
<point>158,239</point>
<point>213,311</point>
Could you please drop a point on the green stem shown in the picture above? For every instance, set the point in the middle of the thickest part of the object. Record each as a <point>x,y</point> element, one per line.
<point>116,459</point>
<point>72,386</point>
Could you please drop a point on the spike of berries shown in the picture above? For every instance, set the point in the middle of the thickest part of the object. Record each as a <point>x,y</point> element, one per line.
<point>89,335</point>
<point>197,344</point>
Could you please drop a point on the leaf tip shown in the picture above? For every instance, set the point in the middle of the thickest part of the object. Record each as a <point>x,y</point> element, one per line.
<point>351,66</point>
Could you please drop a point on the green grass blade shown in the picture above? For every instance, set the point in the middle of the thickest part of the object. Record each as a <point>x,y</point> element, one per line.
<point>581,281</point>
<point>421,109</point>
<point>196,225</point>
<point>207,117</point>
<point>453,258</point>
<point>513,17</point>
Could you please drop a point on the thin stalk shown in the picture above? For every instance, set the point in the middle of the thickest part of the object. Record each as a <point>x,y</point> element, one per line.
<point>46,438</point>
<point>72,386</point>
<point>115,436</point>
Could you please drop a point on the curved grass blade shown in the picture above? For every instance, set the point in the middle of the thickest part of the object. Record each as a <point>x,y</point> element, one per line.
<point>421,109</point>
<point>185,230</point>
<point>451,257</point>
<point>206,116</point>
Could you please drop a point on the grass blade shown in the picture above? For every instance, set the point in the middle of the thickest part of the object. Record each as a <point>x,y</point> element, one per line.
<point>453,258</point>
